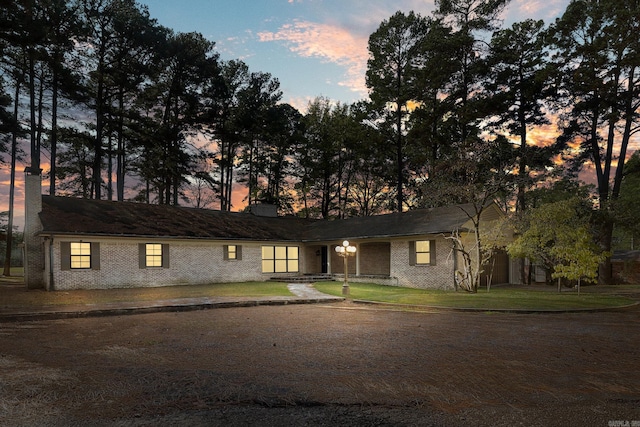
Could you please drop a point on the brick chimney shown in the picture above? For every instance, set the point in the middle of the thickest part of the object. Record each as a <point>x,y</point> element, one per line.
<point>264,209</point>
<point>33,244</point>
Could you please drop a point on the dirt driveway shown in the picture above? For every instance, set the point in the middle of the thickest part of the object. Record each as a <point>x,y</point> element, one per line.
<point>332,364</point>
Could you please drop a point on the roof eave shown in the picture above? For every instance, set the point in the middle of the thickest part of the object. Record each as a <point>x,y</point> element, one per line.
<point>49,233</point>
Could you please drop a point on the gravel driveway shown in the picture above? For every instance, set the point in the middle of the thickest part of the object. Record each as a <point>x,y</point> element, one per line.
<point>324,364</point>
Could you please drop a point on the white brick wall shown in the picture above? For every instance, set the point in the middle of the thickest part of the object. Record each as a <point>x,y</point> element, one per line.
<point>191,263</point>
<point>439,276</point>
<point>34,253</point>
<point>198,262</point>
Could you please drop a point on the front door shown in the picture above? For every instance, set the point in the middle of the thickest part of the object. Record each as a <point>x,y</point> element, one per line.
<point>324,259</point>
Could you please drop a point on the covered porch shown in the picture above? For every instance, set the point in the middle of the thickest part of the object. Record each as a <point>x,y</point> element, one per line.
<point>371,262</point>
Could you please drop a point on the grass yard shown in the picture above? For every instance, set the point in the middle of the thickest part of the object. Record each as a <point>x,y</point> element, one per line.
<point>24,297</point>
<point>534,298</point>
<point>497,298</point>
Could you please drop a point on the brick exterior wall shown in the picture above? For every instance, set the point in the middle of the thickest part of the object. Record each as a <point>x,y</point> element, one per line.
<point>337,263</point>
<point>201,262</point>
<point>190,263</point>
<point>374,258</point>
<point>313,260</point>
<point>439,276</point>
<point>34,259</point>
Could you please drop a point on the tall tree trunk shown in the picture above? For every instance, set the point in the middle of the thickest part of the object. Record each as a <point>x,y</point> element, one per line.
<point>121,166</point>
<point>40,125</point>
<point>251,186</point>
<point>12,185</point>
<point>54,129</point>
<point>399,160</point>
<point>521,203</point>
<point>176,188</point>
<point>605,273</point>
<point>110,165</point>
<point>97,160</point>
<point>626,136</point>
<point>400,165</point>
<point>35,149</point>
<point>222,174</point>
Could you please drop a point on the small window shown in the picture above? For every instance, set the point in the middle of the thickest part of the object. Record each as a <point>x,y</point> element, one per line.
<point>232,252</point>
<point>153,255</point>
<point>80,255</point>
<point>422,252</point>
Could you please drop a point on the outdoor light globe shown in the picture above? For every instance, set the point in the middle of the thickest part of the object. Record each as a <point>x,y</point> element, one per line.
<point>345,243</point>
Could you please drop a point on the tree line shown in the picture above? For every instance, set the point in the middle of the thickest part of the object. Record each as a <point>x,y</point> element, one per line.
<point>121,107</point>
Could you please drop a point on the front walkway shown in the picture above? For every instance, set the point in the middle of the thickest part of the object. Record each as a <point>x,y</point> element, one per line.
<point>304,293</point>
<point>306,290</point>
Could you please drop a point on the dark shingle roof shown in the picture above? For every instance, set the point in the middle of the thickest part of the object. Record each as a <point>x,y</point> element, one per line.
<point>68,215</point>
<point>65,215</point>
<point>411,223</point>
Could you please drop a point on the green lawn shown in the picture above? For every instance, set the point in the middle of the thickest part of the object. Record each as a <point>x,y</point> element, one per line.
<point>497,298</point>
<point>24,297</point>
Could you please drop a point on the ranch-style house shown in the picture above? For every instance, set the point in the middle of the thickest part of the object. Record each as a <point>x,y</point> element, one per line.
<point>73,243</point>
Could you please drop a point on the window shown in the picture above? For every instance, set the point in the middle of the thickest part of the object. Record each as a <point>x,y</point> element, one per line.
<point>153,255</point>
<point>232,252</point>
<point>79,256</point>
<point>280,259</point>
<point>422,252</point>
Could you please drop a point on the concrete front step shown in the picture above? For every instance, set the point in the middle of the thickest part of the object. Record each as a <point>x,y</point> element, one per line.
<point>302,279</point>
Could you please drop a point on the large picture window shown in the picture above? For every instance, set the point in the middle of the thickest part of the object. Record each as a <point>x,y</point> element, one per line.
<point>280,259</point>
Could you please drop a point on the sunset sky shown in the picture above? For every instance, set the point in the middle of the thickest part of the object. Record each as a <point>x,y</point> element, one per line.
<point>314,47</point>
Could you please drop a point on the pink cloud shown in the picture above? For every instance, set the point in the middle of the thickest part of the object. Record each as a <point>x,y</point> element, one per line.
<point>530,6</point>
<point>329,43</point>
<point>520,10</point>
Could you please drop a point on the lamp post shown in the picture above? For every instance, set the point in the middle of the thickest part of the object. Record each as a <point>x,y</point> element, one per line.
<point>345,251</point>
